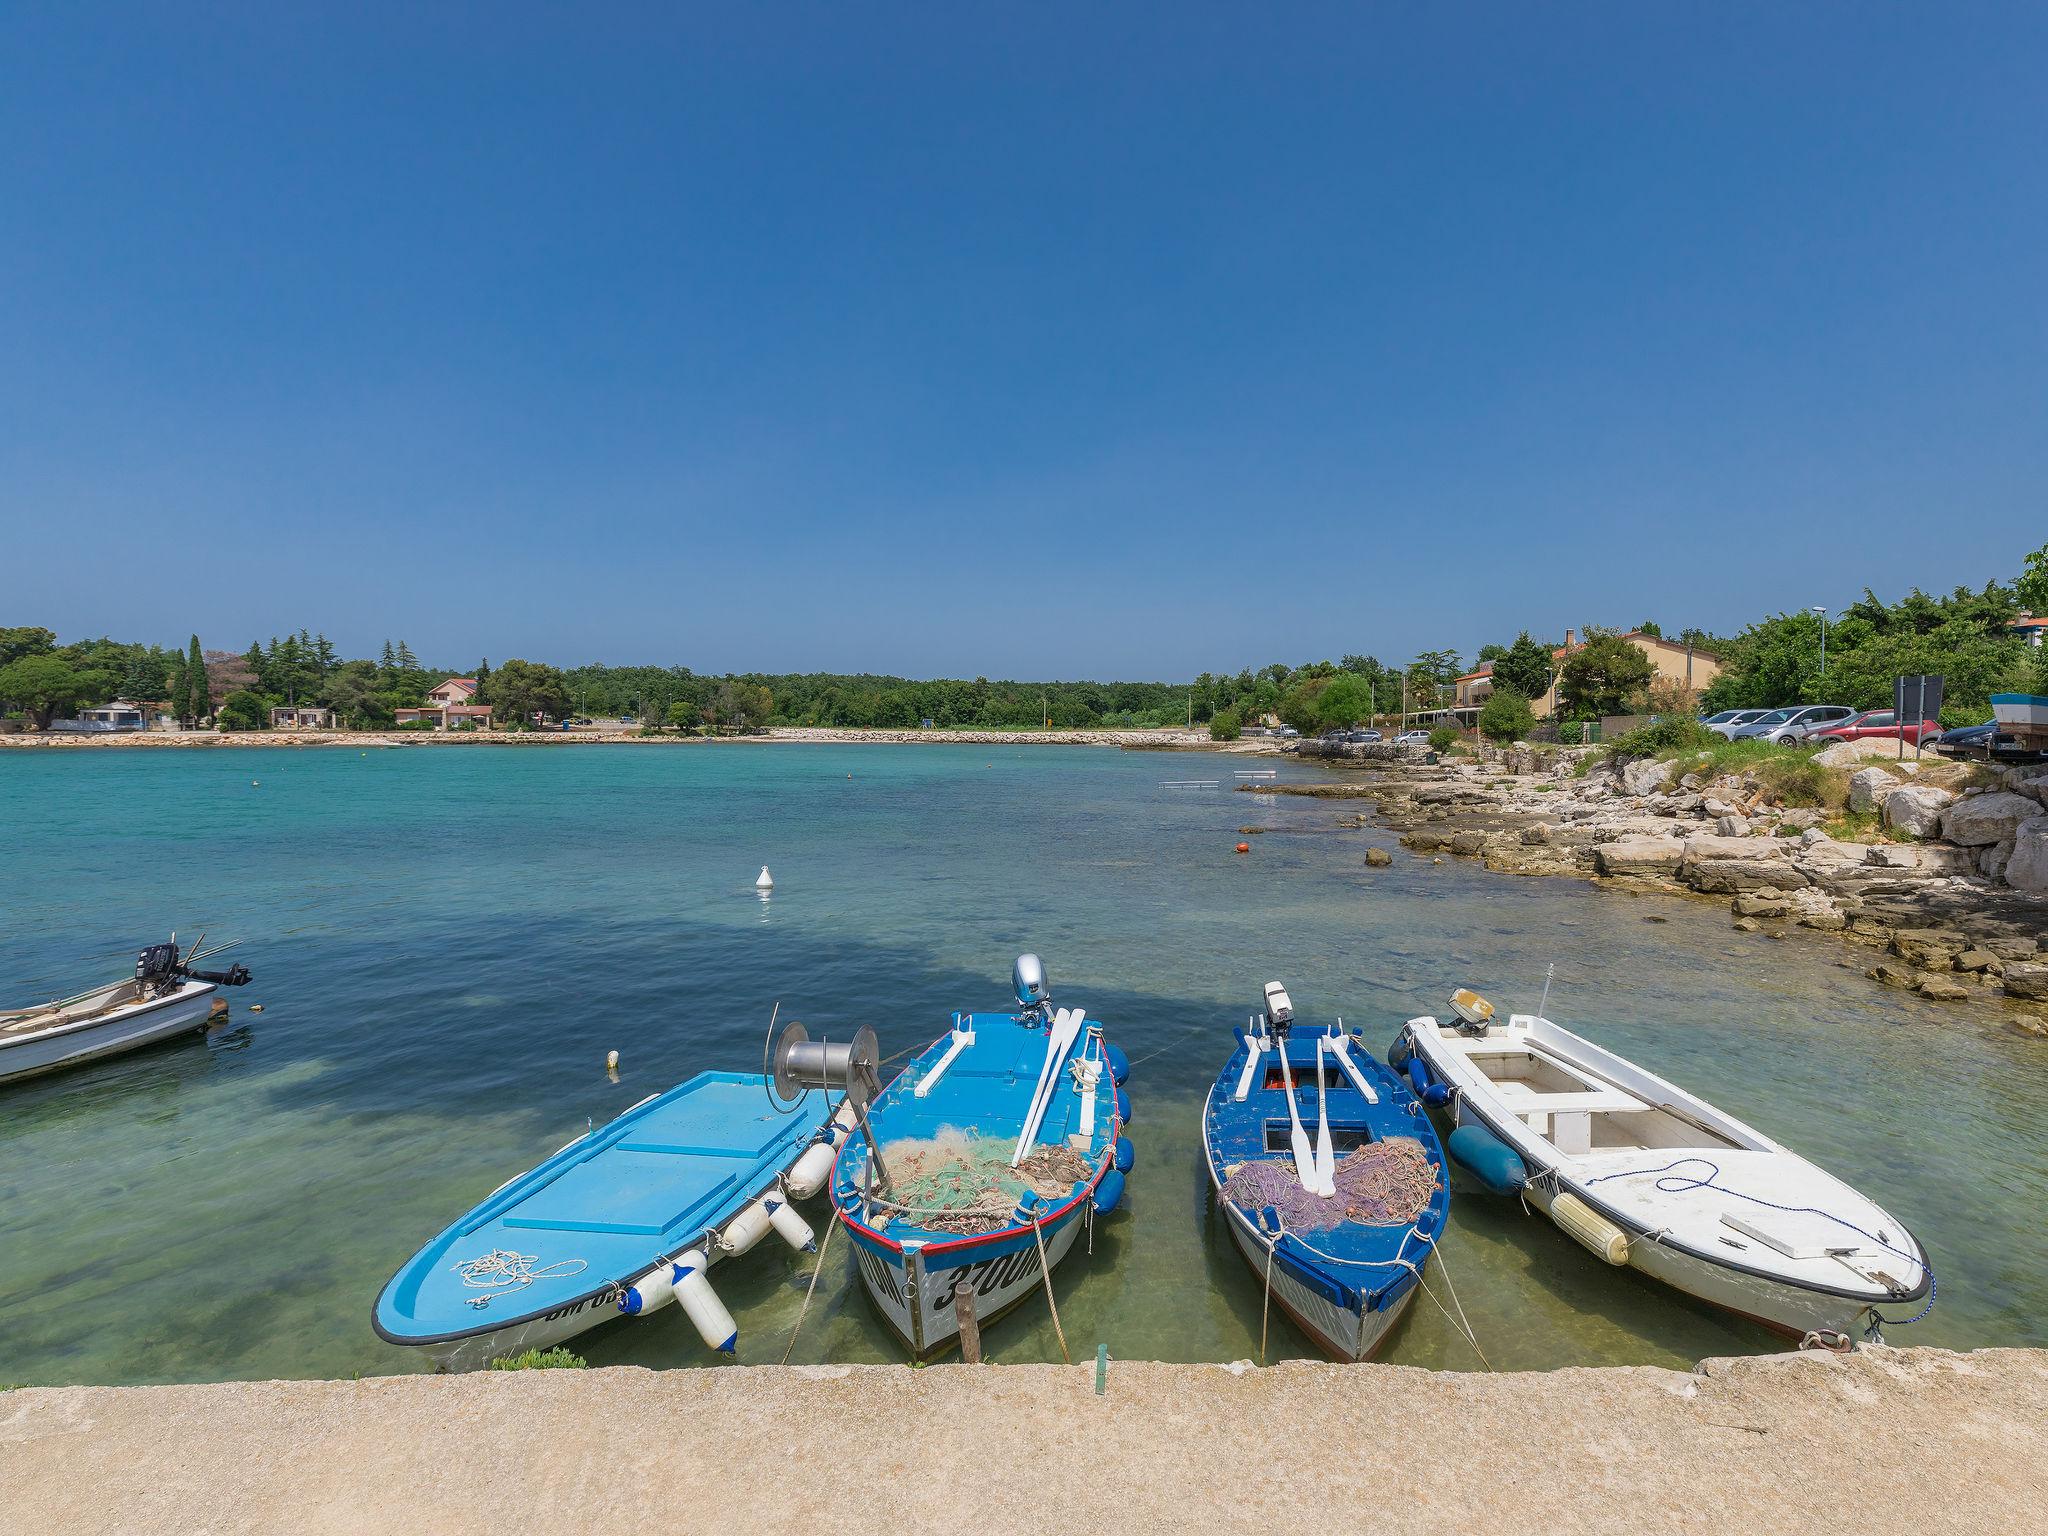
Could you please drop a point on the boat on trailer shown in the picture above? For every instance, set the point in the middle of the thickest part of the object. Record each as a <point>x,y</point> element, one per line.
<point>982,1164</point>
<point>1647,1176</point>
<point>620,1221</point>
<point>1338,1224</point>
<point>164,997</point>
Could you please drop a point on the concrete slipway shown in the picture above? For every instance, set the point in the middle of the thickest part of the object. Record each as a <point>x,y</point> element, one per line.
<point>1909,1441</point>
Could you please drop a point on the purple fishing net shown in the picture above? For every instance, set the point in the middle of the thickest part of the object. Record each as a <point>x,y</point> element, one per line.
<point>1383,1183</point>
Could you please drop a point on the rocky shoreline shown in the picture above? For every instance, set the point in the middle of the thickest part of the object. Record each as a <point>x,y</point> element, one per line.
<point>1167,740</point>
<point>1951,887</point>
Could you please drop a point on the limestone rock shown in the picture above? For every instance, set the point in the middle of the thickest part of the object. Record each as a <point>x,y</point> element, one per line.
<point>1732,825</point>
<point>2011,947</point>
<point>1468,842</point>
<point>1760,904</point>
<point>1942,990</point>
<point>1536,835</point>
<point>1915,809</point>
<point>1931,949</point>
<point>1638,856</point>
<point>1894,975</point>
<point>1979,821</point>
<point>1378,858</point>
<point>1747,925</point>
<point>1932,859</point>
<point>1848,754</point>
<point>1644,776</point>
<point>1813,909</point>
<point>1979,960</point>
<point>1725,865</point>
<point>2027,868</point>
<point>2027,978</point>
<point>1992,861</point>
<point>1868,788</point>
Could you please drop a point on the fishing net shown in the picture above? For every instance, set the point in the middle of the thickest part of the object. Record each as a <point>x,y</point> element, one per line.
<point>964,1184</point>
<point>1383,1183</point>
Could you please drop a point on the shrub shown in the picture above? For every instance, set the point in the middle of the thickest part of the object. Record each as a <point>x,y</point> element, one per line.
<point>1663,738</point>
<point>556,1359</point>
<point>1225,725</point>
<point>1506,716</point>
<point>241,711</point>
<point>1443,738</point>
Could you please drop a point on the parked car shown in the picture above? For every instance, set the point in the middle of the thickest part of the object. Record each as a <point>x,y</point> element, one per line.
<point>1728,719</point>
<point>1793,724</point>
<point>1356,737</point>
<point>1878,725</point>
<point>1288,733</point>
<point>1412,739</point>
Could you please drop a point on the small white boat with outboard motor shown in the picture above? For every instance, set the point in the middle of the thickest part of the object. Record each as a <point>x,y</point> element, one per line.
<point>164,997</point>
<point>1647,1176</point>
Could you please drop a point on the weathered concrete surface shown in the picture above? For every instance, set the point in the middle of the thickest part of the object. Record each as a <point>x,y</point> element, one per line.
<point>1888,1441</point>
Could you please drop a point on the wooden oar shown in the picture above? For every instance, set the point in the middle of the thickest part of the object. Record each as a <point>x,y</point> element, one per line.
<point>1326,1159</point>
<point>1304,1154</point>
<point>1065,1026</point>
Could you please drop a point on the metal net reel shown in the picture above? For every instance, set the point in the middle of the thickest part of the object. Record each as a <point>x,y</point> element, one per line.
<point>794,1064</point>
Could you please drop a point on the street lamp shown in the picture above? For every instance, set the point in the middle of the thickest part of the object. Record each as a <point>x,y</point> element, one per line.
<point>1823,642</point>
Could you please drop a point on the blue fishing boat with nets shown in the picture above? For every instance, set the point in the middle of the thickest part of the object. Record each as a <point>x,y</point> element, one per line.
<point>1329,1177</point>
<point>982,1165</point>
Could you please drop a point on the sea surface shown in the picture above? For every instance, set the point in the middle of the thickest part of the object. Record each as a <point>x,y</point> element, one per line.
<point>447,942</point>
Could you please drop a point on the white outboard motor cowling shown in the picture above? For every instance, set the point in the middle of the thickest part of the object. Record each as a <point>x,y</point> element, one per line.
<point>1279,1010</point>
<point>1028,977</point>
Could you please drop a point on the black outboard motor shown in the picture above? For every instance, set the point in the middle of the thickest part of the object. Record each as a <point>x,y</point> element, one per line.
<point>158,969</point>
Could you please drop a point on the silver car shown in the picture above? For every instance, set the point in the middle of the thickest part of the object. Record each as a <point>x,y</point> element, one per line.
<point>1728,720</point>
<point>1793,724</point>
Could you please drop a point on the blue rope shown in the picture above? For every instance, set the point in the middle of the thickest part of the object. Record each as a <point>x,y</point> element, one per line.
<point>1679,1184</point>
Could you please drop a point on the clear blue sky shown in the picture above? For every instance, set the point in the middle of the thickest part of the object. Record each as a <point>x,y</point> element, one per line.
<point>1027,340</point>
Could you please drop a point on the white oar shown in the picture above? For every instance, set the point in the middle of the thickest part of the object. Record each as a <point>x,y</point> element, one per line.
<point>1254,1051</point>
<point>1326,1160</point>
<point>1065,1025</point>
<point>1304,1154</point>
<point>1340,1047</point>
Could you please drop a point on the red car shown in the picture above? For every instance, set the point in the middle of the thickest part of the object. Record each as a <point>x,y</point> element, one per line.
<point>1877,724</point>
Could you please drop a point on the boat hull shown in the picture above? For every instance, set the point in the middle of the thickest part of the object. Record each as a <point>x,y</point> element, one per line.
<point>917,1292</point>
<point>1343,1335</point>
<point>1791,1310</point>
<point>124,1029</point>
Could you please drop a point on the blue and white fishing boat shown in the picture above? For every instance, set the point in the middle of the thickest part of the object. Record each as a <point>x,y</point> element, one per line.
<point>1000,1144</point>
<point>620,1221</point>
<point>1338,1223</point>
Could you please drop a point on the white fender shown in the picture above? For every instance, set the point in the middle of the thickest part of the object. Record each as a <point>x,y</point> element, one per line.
<point>650,1292</point>
<point>811,1170</point>
<point>714,1323</point>
<point>745,1229</point>
<point>789,1225</point>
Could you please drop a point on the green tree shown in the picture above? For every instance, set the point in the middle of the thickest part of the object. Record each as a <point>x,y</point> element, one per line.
<point>1345,700</point>
<point>1525,668</point>
<point>198,699</point>
<point>523,689</point>
<point>241,711</point>
<point>2031,590</point>
<point>1506,716</point>
<point>45,685</point>
<point>1225,725</point>
<point>25,640</point>
<point>1601,678</point>
<point>1651,628</point>
<point>681,715</point>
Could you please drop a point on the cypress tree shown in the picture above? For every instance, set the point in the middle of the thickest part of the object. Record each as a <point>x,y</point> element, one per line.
<point>197,699</point>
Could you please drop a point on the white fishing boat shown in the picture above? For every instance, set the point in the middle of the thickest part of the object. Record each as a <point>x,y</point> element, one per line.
<point>164,997</point>
<point>1647,1176</point>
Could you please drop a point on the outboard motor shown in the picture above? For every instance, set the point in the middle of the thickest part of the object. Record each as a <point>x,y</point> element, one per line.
<point>1474,1012</point>
<point>1279,1010</point>
<point>158,969</point>
<point>1028,977</point>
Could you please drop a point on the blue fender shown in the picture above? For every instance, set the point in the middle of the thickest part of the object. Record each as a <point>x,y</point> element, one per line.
<point>1123,1105</point>
<point>1427,1088</point>
<point>1400,1051</point>
<point>1126,1154</point>
<point>1110,1192</point>
<point>1119,1063</point>
<point>1487,1158</point>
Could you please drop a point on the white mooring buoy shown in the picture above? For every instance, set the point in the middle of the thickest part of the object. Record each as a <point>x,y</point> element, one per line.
<point>765,881</point>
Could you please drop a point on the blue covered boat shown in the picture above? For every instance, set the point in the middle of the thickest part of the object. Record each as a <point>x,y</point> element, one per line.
<point>622,1220</point>
<point>1000,1144</point>
<point>1329,1176</point>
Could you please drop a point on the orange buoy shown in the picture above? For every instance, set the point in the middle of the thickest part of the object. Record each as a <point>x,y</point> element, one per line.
<point>1244,847</point>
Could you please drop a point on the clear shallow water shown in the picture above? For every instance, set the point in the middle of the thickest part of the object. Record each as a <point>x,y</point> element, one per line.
<point>447,941</point>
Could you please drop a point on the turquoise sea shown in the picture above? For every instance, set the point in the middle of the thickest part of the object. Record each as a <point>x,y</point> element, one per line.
<point>447,941</point>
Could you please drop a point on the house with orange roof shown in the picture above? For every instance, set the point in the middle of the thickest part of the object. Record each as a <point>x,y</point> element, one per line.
<point>450,702</point>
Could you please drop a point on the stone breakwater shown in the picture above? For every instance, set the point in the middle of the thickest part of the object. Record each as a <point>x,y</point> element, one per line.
<point>1912,1441</point>
<point>1952,888</point>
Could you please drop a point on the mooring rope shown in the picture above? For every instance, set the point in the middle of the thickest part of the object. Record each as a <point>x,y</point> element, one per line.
<point>812,1289</point>
<point>1266,1311</point>
<point>1045,1270</point>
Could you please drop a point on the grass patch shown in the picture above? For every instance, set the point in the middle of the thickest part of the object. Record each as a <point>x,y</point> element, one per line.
<point>1854,827</point>
<point>1789,776</point>
<point>556,1359</point>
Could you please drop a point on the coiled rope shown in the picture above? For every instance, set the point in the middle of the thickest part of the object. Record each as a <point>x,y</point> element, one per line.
<point>504,1270</point>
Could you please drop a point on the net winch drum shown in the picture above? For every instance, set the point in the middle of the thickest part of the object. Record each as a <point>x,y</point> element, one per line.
<point>797,1064</point>
<point>1279,1010</point>
<point>1027,976</point>
<point>1474,1012</point>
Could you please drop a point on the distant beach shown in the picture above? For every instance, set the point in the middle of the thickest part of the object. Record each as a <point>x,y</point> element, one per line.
<point>1155,740</point>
